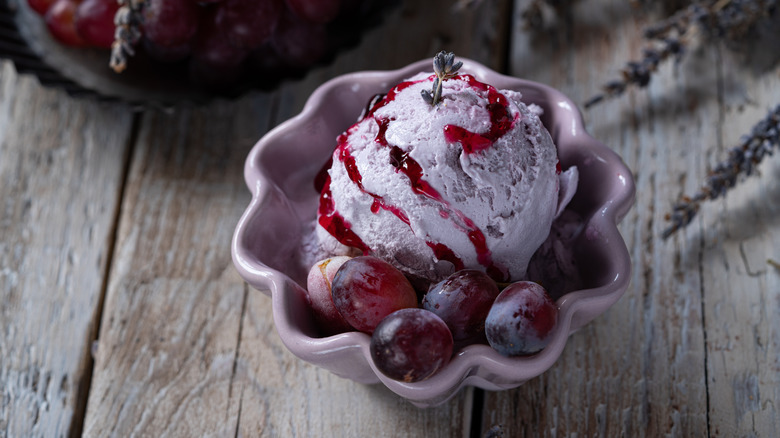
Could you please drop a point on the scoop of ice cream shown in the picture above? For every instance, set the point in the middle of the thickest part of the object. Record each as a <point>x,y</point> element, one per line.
<point>472,182</point>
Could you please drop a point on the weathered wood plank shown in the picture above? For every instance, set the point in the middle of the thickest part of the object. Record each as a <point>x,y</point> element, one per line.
<point>739,234</point>
<point>638,370</point>
<point>62,164</point>
<point>167,345</point>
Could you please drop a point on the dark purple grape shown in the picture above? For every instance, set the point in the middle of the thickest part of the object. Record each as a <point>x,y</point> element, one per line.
<point>170,23</point>
<point>299,43</point>
<point>463,301</point>
<point>166,54</point>
<point>366,289</point>
<point>94,21</point>
<point>521,320</point>
<point>315,11</point>
<point>215,61</point>
<point>248,23</point>
<point>411,345</point>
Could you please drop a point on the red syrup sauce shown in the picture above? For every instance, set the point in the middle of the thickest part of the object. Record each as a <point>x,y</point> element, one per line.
<point>339,228</point>
<point>500,121</point>
<point>335,224</point>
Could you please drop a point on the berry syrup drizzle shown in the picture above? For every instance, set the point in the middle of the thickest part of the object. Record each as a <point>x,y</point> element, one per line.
<point>338,227</point>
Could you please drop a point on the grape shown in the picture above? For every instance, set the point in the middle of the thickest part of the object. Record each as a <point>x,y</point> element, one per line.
<point>248,23</point>
<point>166,54</point>
<point>366,289</point>
<point>59,20</point>
<point>170,23</point>
<point>411,345</point>
<point>463,301</point>
<point>315,11</point>
<point>40,6</point>
<point>265,62</point>
<point>95,21</point>
<point>521,320</point>
<point>215,62</point>
<point>319,286</point>
<point>298,43</point>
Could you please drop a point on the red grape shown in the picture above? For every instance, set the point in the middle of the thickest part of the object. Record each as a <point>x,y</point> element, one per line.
<point>366,289</point>
<point>214,62</point>
<point>411,345</point>
<point>298,43</point>
<point>319,284</point>
<point>248,23</point>
<point>521,320</point>
<point>59,20</point>
<point>95,21</point>
<point>166,54</point>
<point>40,6</point>
<point>463,301</point>
<point>315,11</point>
<point>170,23</point>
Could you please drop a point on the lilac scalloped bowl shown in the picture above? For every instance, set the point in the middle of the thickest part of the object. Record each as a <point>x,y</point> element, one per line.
<point>280,170</point>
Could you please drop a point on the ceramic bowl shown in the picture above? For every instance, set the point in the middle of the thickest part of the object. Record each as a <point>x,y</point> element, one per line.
<point>280,170</point>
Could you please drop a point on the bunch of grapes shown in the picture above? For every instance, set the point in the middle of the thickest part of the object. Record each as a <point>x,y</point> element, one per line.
<point>218,41</point>
<point>413,335</point>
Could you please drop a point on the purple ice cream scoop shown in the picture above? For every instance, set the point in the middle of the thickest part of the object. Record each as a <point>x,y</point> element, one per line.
<point>473,182</point>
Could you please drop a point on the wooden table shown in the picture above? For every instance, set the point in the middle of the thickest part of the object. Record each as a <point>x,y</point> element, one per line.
<point>122,314</point>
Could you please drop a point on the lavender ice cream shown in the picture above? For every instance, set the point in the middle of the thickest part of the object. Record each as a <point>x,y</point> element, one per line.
<point>473,181</point>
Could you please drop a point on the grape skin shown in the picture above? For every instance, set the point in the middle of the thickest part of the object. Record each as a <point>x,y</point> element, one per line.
<point>40,6</point>
<point>411,345</point>
<point>366,289</point>
<point>170,23</point>
<point>95,21</point>
<point>215,61</point>
<point>463,301</point>
<point>59,20</point>
<point>299,43</point>
<point>522,319</point>
<point>248,23</point>
<point>318,285</point>
<point>315,11</point>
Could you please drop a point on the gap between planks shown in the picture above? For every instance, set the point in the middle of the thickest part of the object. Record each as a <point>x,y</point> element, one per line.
<point>82,395</point>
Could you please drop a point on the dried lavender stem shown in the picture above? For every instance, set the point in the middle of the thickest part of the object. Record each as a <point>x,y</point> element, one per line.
<point>742,161</point>
<point>723,18</point>
<point>128,31</point>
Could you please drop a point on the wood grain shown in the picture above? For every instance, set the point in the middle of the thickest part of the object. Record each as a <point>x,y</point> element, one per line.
<point>62,164</point>
<point>122,224</point>
<point>738,235</point>
<point>167,346</point>
<point>646,367</point>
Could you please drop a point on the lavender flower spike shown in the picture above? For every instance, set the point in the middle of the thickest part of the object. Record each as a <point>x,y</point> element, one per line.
<point>742,161</point>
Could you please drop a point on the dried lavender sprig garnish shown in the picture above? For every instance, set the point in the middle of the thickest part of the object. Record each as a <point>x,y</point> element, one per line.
<point>128,31</point>
<point>445,67</point>
<point>742,161</point>
<point>731,19</point>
